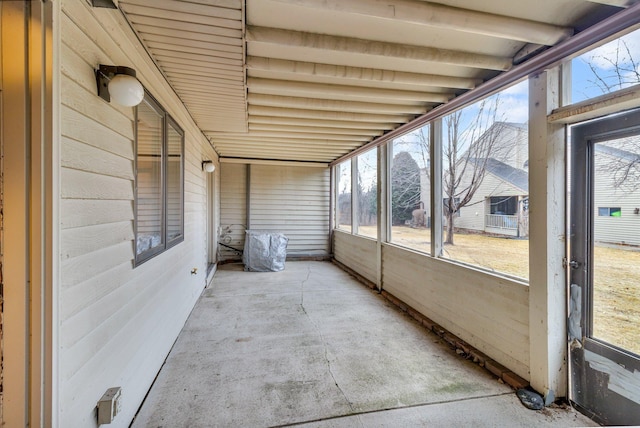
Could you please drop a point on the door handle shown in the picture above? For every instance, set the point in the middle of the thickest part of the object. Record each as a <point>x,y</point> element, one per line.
<point>573,264</point>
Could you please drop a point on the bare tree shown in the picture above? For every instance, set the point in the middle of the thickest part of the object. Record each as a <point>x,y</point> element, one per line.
<point>470,143</point>
<point>621,70</point>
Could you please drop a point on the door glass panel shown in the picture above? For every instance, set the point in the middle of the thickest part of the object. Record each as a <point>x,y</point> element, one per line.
<point>616,240</point>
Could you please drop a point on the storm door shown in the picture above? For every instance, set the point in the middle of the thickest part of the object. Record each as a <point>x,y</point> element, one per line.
<point>604,321</point>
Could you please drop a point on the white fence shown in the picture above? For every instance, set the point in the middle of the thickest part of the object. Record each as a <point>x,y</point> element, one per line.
<point>502,221</point>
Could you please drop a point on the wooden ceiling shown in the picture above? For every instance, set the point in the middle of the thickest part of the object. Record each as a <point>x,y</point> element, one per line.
<point>311,80</point>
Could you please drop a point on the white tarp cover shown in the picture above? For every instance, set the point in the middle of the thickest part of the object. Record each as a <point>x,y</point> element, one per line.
<point>264,251</point>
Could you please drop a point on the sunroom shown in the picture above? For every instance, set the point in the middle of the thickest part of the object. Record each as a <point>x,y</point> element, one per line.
<point>476,162</point>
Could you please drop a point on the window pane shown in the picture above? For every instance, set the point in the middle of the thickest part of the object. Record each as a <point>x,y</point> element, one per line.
<point>485,183</point>
<point>608,68</point>
<point>149,201</point>
<point>343,220</point>
<point>174,184</point>
<point>616,247</point>
<point>367,209</point>
<point>410,191</point>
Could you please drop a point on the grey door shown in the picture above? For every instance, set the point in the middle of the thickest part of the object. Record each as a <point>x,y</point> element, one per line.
<point>604,321</point>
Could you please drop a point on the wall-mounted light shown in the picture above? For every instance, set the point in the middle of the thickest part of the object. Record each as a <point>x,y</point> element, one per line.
<point>636,210</point>
<point>120,84</point>
<point>208,166</point>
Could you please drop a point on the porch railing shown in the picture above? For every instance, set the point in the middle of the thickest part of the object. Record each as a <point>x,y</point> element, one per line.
<point>499,221</point>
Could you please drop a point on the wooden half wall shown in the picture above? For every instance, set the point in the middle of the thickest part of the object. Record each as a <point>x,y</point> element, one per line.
<point>487,311</point>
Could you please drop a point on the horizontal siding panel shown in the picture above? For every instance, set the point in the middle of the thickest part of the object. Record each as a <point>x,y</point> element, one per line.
<point>90,105</point>
<point>88,212</point>
<point>292,200</point>
<point>233,212</point>
<point>357,253</point>
<point>79,268</point>
<point>92,289</point>
<point>85,185</point>
<point>79,241</point>
<point>80,156</point>
<point>80,128</point>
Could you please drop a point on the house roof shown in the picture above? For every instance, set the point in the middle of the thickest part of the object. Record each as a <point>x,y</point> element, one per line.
<point>312,80</point>
<point>618,153</point>
<point>516,177</point>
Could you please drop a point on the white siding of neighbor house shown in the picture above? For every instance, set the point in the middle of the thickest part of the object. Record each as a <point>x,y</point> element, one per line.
<point>117,322</point>
<point>472,216</point>
<point>489,312</point>
<point>356,253</point>
<point>233,209</point>
<point>293,200</point>
<point>616,230</point>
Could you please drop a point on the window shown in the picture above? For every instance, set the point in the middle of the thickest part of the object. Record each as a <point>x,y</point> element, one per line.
<point>343,209</point>
<point>504,205</point>
<point>367,200</point>
<point>609,212</point>
<point>411,190</point>
<point>485,149</point>
<point>607,68</point>
<point>159,201</point>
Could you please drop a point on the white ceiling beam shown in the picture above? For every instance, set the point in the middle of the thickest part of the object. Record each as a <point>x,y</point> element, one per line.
<point>290,142</point>
<point>358,73</point>
<point>320,123</point>
<point>275,163</point>
<point>446,17</point>
<point>327,115</point>
<point>369,48</point>
<point>292,135</point>
<point>340,92</point>
<point>332,105</point>
<point>257,127</point>
<point>617,3</point>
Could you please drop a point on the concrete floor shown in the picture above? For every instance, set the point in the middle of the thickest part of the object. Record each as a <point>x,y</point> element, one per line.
<point>312,347</point>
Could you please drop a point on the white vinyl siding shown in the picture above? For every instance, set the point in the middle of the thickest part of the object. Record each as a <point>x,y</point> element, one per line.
<point>293,200</point>
<point>233,209</point>
<point>616,230</point>
<point>116,323</point>
<point>356,253</point>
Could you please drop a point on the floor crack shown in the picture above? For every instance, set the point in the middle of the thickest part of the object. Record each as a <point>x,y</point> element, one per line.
<point>324,345</point>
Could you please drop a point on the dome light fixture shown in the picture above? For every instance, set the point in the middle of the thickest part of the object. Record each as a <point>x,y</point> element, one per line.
<point>208,166</point>
<point>120,84</point>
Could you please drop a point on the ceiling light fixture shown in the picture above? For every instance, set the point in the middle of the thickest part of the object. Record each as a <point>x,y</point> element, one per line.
<point>119,83</point>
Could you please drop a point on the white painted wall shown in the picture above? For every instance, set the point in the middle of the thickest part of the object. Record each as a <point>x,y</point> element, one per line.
<point>487,311</point>
<point>117,323</point>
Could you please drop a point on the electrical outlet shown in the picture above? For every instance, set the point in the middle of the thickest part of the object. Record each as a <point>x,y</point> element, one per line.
<point>109,405</point>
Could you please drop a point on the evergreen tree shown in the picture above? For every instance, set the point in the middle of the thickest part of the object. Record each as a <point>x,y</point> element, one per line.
<point>405,187</point>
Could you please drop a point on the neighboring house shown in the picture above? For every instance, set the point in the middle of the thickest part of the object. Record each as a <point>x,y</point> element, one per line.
<point>616,208</point>
<point>500,205</point>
